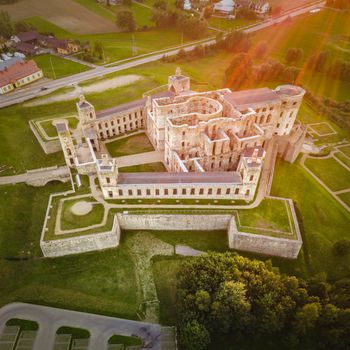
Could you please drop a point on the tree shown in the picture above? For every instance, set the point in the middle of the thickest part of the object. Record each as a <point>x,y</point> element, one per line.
<point>246,13</point>
<point>126,21</point>
<point>208,12</point>
<point>22,26</point>
<point>306,317</point>
<point>237,42</point>
<point>127,2</point>
<point>261,49</point>
<point>98,49</point>
<point>160,5</point>
<point>294,55</point>
<point>318,61</point>
<point>6,26</point>
<point>239,70</point>
<point>341,247</point>
<point>194,336</point>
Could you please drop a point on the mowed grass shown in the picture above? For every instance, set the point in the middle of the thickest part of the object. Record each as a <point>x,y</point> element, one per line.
<point>51,130</point>
<point>129,145</point>
<point>345,197</point>
<point>322,128</point>
<point>322,220</point>
<point>342,158</point>
<point>99,282</point>
<point>334,175</point>
<point>71,221</point>
<point>345,150</point>
<point>144,168</point>
<point>271,215</point>
<point>57,67</point>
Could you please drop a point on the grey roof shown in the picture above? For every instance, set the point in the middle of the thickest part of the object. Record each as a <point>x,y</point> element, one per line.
<point>131,105</point>
<point>223,177</point>
<point>247,98</point>
<point>10,62</point>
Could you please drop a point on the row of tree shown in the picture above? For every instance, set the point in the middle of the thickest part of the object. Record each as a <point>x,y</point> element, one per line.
<point>226,296</point>
<point>339,4</point>
<point>8,27</point>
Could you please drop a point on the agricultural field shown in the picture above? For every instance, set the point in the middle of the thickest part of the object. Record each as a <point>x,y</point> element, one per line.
<point>78,19</point>
<point>55,67</point>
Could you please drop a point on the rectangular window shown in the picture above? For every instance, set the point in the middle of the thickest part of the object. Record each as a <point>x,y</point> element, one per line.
<point>201,191</point>
<point>218,191</point>
<point>120,192</point>
<point>157,192</point>
<point>184,191</point>
<point>148,192</point>
<point>110,194</point>
<point>139,192</point>
<point>237,191</point>
<point>210,191</point>
<point>166,192</point>
<point>251,178</point>
<point>174,191</point>
<point>228,190</point>
<point>192,191</point>
<point>108,180</point>
<point>130,192</point>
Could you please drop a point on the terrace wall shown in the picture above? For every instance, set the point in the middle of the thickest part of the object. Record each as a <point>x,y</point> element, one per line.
<point>82,244</point>
<point>48,146</point>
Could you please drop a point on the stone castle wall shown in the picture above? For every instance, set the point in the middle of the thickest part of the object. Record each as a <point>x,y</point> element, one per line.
<point>169,222</point>
<point>82,244</point>
<point>47,146</point>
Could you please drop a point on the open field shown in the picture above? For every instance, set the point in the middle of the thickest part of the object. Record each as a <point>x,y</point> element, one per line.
<point>129,145</point>
<point>287,4</point>
<point>342,158</point>
<point>57,67</point>
<point>334,175</point>
<point>50,129</point>
<point>345,197</point>
<point>229,24</point>
<point>116,46</point>
<point>67,14</point>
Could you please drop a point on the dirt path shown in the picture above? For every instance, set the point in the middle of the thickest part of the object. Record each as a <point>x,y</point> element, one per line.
<point>99,86</point>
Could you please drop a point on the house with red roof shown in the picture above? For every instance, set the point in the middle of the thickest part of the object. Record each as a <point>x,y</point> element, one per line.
<point>19,74</point>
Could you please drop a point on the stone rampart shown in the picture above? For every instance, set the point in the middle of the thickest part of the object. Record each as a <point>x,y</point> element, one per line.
<point>47,146</point>
<point>82,244</point>
<point>174,222</point>
<point>261,244</point>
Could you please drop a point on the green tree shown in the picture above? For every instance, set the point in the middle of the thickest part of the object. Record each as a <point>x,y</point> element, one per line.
<point>127,2</point>
<point>294,55</point>
<point>126,21</point>
<point>98,49</point>
<point>194,336</point>
<point>6,26</point>
<point>261,49</point>
<point>22,26</point>
<point>341,247</point>
<point>239,70</point>
<point>237,41</point>
<point>160,5</point>
<point>306,317</point>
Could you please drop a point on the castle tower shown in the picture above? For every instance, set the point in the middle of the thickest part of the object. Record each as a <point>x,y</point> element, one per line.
<point>107,172</point>
<point>86,112</point>
<point>249,167</point>
<point>178,83</point>
<point>291,97</point>
<point>67,144</point>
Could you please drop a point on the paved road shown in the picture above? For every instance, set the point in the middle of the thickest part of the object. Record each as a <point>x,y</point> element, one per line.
<point>31,92</point>
<point>101,328</point>
<point>37,176</point>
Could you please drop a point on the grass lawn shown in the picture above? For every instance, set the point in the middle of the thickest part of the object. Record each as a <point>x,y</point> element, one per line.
<point>342,158</point>
<point>118,46</point>
<point>334,175</point>
<point>322,128</point>
<point>270,215</point>
<point>76,333</point>
<point>94,6</point>
<point>323,222</point>
<point>143,168</point>
<point>129,145</point>
<point>345,197</point>
<point>57,67</point>
<point>228,24</point>
<point>25,325</point>
<point>345,150</point>
<point>70,221</point>
<point>50,129</point>
<point>99,282</point>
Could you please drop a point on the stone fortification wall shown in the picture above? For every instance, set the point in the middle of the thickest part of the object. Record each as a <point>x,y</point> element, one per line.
<point>82,244</point>
<point>285,248</point>
<point>48,146</point>
<point>173,222</point>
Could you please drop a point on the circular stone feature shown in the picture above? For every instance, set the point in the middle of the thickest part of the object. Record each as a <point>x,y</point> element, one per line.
<point>81,208</point>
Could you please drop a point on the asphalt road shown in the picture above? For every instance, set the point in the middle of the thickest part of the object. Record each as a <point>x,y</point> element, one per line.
<point>101,328</point>
<point>31,92</point>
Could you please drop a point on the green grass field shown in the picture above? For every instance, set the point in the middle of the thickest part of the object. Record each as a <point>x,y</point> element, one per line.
<point>129,145</point>
<point>334,175</point>
<point>345,150</point>
<point>342,158</point>
<point>57,67</point>
<point>117,46</point>
<point>143,168</point>
<point>272,217</point>
<point>323,222</point>
<point>345,197</point>
<point>71,221</point>
<point>50,129</point>
<point>227,24</point>
<point>98,9</point>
